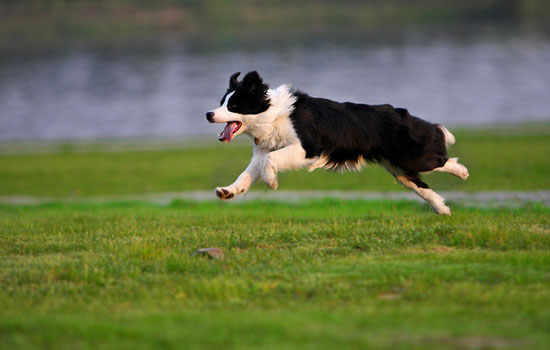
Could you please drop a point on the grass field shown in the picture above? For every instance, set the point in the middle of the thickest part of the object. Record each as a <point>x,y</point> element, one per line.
<point>496,161</point>
<point>320,274</point>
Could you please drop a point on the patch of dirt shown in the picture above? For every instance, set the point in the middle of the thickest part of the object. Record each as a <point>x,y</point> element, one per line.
<point>436,249</point>
<point>389,296</point>
<point>479,343</point>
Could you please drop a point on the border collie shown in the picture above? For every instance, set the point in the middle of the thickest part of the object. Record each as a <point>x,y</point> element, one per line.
<point>292,130</point>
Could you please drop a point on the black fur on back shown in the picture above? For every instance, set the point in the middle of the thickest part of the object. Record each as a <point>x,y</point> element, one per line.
<point>345,132</point>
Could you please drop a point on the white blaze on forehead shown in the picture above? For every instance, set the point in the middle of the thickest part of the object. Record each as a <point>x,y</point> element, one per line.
<point>222,114</point>
<point>227,98</point>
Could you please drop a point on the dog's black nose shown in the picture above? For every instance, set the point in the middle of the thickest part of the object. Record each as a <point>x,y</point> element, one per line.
<point>209,116</point>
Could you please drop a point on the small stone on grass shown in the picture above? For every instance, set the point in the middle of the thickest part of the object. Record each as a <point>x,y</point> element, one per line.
<point>389,296</point>
<point>212,253</point>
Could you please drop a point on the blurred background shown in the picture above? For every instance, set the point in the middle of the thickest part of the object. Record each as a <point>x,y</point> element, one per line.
<point>103,69</point>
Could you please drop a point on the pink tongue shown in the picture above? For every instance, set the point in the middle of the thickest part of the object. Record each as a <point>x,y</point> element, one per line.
<point>227,132</point>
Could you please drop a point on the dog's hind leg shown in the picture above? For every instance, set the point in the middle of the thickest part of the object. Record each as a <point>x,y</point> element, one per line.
<point>421,188</point>
<point>452,166</point>
<point>425,192</point>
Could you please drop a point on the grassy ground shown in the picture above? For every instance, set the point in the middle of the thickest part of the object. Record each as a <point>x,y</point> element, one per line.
<point>497,161</point>
<point>319,275</point>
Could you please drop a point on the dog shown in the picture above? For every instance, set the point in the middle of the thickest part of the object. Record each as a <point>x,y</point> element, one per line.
<point>291,130</point>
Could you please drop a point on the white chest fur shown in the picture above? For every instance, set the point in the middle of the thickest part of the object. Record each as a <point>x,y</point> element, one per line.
<point>273,128</point>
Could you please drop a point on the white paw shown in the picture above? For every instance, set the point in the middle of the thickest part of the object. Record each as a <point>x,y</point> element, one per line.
<point>274,185</point>
<point>462,171</point>
<point>270,178</point>
<point>443,210</point>
<point>224,193</point>
<point>272,182</point>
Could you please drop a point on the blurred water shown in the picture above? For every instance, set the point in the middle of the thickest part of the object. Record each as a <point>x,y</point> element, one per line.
<point>164,91</point>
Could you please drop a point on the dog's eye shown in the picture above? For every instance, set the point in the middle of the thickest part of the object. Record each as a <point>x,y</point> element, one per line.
<point>233,106</point>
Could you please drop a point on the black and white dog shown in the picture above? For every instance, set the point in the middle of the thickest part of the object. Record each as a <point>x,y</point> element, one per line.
<point>292,130</point>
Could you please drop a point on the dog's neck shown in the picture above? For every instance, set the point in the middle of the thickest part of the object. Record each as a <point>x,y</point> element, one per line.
<point>272,128</point>
<point>281,102</point>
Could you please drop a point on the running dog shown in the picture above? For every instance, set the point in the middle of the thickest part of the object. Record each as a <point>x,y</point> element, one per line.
<point>292,130</point>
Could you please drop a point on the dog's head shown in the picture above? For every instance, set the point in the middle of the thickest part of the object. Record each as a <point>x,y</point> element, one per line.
<point>243,100</point>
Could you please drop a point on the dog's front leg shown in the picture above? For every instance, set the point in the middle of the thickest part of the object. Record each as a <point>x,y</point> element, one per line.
<point>247,178</point>
<point>287,158</point>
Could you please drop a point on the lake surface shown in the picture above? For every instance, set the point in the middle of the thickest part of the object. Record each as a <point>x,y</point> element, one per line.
<point>164,90</point>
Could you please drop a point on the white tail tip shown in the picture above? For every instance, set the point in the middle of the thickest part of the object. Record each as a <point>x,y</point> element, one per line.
<point>449,138</point>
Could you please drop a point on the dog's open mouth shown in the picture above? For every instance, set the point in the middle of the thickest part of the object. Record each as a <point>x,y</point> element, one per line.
<point>230,129</point>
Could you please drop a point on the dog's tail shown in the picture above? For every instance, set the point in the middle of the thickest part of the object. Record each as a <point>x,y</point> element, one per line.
<point>449,138</point>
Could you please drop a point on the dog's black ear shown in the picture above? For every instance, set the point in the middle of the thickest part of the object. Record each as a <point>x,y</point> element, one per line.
<point>254,83</point>
<point>233,81</point>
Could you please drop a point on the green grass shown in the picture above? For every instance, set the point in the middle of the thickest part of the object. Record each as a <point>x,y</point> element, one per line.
<point>497,161</point>
<point>321,274</point>
<point>318,275</point>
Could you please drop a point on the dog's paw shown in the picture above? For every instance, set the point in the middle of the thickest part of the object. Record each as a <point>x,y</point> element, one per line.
<point>274,184</point>
<point>462,171</point>
<point>224,193</point>
<point>269,177</point>
<point>443,210</point>
<point>458,169</point>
